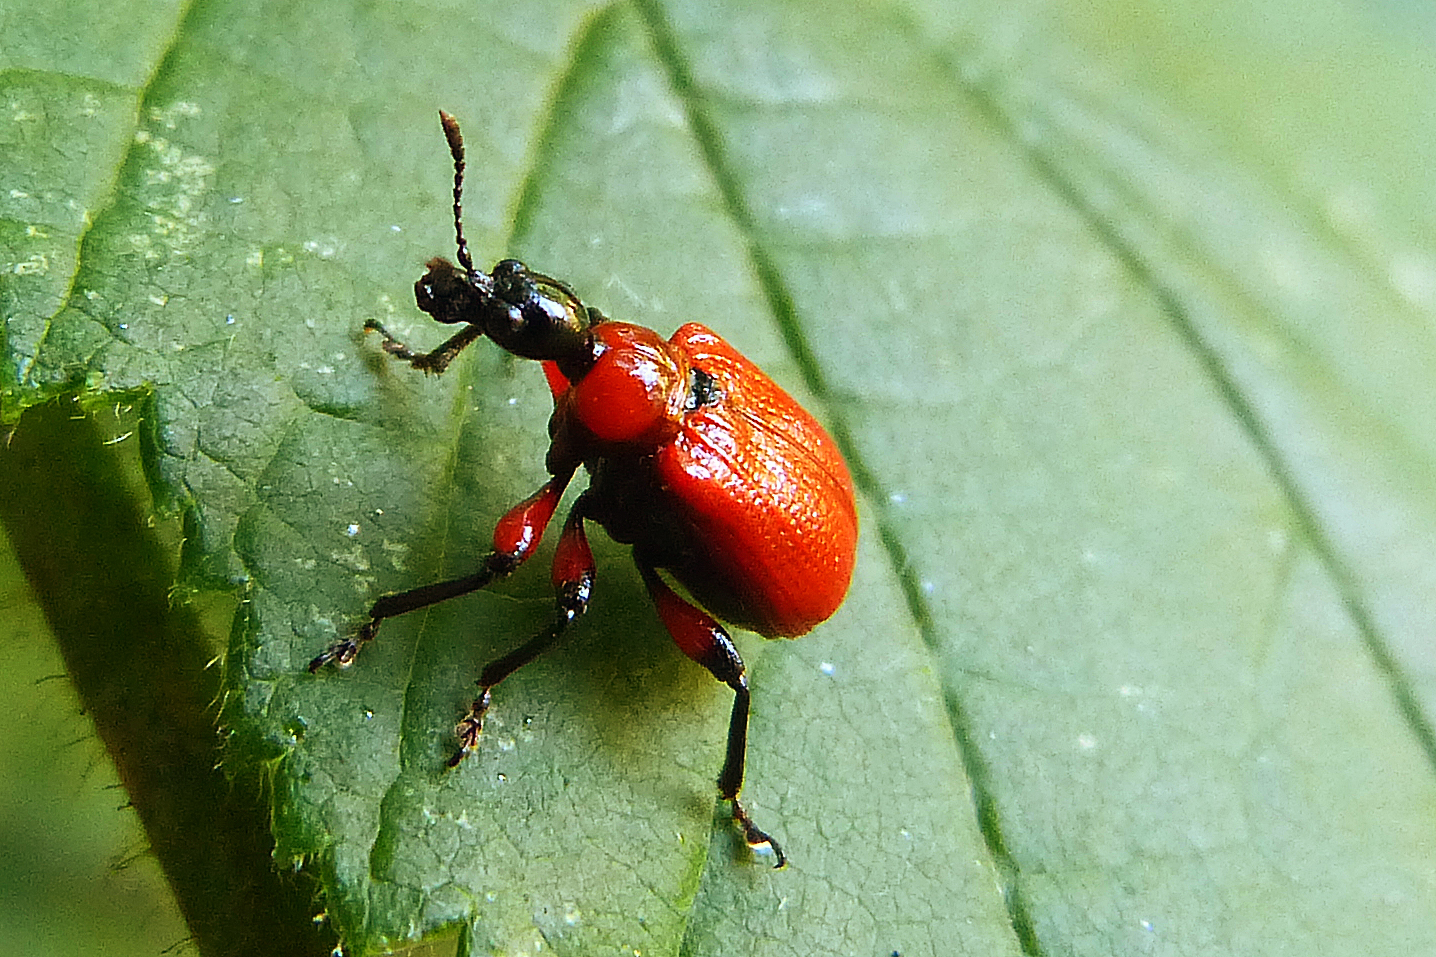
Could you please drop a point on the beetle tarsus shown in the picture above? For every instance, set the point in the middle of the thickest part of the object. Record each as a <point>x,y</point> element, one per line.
<point>758,840</point>
<point>470,726</point>
<point>333,653</point>
<point>345,650</point>
<point>391,345</point>
<point>436,361</point>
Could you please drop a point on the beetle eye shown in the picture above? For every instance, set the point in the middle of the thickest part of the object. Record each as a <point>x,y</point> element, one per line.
<point>506,273</point>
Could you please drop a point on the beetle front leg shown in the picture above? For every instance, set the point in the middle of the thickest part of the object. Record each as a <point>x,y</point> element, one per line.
<point>705,641</point>
<point>573,573</point>
<point>436,361</point>
<point>516,535</point>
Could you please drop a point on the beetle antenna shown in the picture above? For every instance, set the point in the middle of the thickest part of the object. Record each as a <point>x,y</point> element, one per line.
<point>456,150</point>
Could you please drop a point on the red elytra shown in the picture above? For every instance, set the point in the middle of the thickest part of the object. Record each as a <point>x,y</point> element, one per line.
<point>696,458</point>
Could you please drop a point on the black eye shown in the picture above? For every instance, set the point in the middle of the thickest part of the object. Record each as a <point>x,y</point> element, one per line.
<point>508,269</point>
<point>511,282</point>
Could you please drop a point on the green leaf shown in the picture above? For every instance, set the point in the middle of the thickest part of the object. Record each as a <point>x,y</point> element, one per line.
<point>1137,655</point>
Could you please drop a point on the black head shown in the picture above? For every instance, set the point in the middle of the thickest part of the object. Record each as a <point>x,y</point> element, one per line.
<point>525,312</point>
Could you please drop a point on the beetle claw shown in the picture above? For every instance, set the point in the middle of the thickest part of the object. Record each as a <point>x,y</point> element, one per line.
<point>345,650</point>
<point>469,728</point>
<point>759,841</point>
<point>341,653</point>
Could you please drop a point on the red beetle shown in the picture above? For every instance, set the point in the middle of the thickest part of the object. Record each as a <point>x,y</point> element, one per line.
<point>696,458</point>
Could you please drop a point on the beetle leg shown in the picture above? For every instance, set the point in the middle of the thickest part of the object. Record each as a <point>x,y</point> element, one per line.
<point>573,572</point>
<point>701,638</point>
<point>436,361</point>
<point>516,535</point>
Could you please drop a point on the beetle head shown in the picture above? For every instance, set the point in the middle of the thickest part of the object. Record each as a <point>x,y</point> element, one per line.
<point>527,313</point>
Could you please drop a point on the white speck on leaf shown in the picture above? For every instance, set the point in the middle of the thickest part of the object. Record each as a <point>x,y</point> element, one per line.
<point>37,265</point>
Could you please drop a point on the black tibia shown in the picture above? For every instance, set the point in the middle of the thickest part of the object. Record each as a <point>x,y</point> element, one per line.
<point>436,361</point>
<point>342,652</point>
<point>730,779</point>
<point>723,661</point>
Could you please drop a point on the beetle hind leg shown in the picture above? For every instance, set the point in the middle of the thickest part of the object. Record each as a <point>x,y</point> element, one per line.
<point>702,639</point>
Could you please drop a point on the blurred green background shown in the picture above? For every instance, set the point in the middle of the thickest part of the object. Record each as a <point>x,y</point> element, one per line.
<point>77,878</point>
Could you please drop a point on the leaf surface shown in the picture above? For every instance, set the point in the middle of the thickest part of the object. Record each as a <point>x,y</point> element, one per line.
<point>1137,655</point>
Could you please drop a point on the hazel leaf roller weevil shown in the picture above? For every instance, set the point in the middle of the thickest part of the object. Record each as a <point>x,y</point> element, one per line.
<point>695,458</point>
